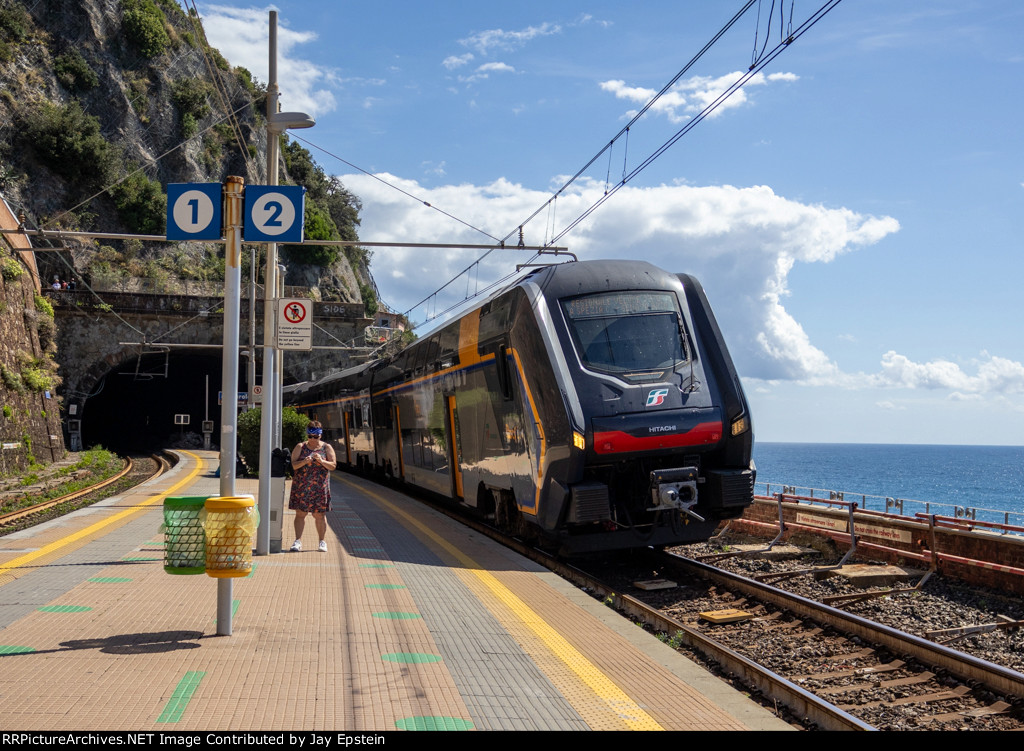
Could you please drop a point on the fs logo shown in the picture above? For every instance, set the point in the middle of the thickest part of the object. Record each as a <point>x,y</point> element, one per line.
<point>656,397</point>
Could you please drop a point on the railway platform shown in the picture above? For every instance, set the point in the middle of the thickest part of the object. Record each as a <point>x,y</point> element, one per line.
<point>408,621</point>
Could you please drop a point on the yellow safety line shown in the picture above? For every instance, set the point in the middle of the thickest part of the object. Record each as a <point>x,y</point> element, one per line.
<point>618,701</point>
<point>75,536</point>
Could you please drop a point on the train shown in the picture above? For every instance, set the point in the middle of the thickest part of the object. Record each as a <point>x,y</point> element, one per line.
<point>589,406</point>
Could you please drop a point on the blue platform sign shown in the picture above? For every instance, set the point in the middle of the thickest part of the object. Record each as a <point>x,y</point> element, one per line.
<point>194,211</point>
<point>274,213</point>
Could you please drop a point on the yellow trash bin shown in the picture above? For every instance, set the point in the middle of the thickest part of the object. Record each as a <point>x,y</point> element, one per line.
<point>230,526</point>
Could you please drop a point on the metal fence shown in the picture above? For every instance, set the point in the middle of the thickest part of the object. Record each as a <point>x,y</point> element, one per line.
<point>890,505</point>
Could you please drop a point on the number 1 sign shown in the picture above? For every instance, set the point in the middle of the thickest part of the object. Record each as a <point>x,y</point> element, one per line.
<point>194,211</point>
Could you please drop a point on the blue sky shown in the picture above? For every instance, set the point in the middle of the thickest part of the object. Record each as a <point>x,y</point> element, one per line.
<point>854,212</point>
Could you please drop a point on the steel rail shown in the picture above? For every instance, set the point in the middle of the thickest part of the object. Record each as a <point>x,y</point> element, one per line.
<point>1001,679</point>
<point>36,508</point>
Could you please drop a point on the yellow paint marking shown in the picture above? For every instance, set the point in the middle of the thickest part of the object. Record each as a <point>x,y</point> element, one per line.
<point>631,715</point>
<point>92,529</point>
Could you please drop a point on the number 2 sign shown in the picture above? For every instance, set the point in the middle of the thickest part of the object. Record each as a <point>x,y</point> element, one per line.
<point>274,213</point>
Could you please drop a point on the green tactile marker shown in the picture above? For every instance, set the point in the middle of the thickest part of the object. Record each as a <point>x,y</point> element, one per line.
<point>376,565</point>
<point>411,657</point>
<point>14,649</point>
<point>181,696</point>
<point>397,616</point>
<point>63,609</point>
<point>433,723</point>
<point>385,586</point>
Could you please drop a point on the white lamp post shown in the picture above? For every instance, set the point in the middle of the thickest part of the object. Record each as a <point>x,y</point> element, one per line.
<point>277,123</point>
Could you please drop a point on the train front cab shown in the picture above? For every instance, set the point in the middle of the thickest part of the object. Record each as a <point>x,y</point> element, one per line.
<point>660,438</point>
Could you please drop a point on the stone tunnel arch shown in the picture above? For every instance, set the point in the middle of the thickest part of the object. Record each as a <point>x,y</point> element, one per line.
<point>132,406</point>
<point>99,340</point>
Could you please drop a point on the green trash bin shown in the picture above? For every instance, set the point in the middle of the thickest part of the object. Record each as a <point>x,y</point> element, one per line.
<point>184,538</point>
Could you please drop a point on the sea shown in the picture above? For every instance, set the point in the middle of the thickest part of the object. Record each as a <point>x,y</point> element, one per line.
<point>979,482</point>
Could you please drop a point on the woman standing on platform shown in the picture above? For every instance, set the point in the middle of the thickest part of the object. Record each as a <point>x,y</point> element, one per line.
<point>313,460</point>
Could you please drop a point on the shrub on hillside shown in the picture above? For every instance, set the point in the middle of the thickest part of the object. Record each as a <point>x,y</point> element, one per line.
<point>141,203</point>
<point>74,72</point>
<point>144,27</point>
<point>69,142</point>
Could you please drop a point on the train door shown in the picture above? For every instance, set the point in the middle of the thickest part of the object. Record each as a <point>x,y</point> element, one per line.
<point>348,438</point>
<point>398,443</point>
<point>454,446</point>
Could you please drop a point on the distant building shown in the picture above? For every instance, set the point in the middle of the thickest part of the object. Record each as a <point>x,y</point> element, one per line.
<point>387,320</point>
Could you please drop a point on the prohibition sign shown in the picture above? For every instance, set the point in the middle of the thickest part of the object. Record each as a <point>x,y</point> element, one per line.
<point>295,312</point>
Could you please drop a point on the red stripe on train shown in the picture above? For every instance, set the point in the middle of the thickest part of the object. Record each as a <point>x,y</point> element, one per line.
<point>615,441</point>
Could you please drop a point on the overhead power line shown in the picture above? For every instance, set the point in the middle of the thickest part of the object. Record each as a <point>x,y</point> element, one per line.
<point>754,69</point>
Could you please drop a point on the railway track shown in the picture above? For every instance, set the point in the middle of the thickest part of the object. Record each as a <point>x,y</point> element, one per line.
<point>138,470</point>
<point>882,675</point>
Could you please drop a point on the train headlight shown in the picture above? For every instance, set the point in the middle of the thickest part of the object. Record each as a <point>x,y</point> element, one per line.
<point>740,426</point>
<point>578,440</point>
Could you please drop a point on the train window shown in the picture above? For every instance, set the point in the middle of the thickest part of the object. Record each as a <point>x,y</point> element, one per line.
<point>635,335</point>
<point>494,318</point>
<point>382,414</point>
<point>430,353</point>
<point>448,347</point>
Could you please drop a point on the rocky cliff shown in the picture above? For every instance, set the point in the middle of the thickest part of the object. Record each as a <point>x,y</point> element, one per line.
<point>102,104</point>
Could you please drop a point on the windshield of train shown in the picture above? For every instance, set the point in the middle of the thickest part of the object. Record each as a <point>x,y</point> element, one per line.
<point>636,335</point>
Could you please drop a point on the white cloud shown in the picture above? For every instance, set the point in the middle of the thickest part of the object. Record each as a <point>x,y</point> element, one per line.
<point>499,39</point>
<point>483,72</point>
<point>691,95</point>
<point>496,68</point>
<point>433,168</point>
<point>457,61</point>
<point>956,396</point>
<point>890,406</point>
<point>993,375</point>
<point>242,34</point>
<point>740,242</point>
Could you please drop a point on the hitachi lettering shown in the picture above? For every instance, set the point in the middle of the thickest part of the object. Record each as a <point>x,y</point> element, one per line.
<point>662,429</point>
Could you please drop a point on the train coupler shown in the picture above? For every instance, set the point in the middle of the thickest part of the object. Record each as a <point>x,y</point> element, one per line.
<point>675,489</point>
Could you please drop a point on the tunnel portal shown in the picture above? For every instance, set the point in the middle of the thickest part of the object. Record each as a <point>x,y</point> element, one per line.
<point>133,408</point>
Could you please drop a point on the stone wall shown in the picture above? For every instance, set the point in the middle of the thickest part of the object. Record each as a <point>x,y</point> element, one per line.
<point>30,421</point>
<point>96,338</point>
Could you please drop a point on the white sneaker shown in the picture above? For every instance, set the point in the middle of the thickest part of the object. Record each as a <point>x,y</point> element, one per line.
<point>323,546</point>
<point>296,547</point>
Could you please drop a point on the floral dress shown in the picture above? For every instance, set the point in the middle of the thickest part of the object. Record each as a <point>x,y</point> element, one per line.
<point>311,486</point>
